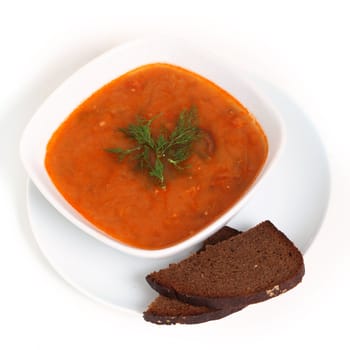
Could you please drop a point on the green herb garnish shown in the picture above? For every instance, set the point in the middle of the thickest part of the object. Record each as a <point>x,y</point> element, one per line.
<point>153,153</point>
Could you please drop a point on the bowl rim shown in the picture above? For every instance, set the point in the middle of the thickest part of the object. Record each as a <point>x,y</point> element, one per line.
<point>73,216</point>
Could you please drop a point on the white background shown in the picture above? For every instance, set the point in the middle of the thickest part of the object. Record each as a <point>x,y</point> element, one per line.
<point>300,46</point>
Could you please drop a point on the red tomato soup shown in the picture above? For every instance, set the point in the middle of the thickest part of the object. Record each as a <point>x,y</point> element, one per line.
<point>118,196</point>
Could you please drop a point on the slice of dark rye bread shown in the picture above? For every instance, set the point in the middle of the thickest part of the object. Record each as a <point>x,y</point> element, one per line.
<point>164,310</point>
<point>251,267</point>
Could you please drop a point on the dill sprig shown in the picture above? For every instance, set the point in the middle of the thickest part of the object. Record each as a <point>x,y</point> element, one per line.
<point>152,153</point>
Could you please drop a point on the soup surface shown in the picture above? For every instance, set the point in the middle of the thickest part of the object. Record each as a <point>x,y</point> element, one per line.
<point>120,198</point>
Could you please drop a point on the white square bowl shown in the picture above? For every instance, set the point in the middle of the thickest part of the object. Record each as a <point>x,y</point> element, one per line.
<point>109,66</point>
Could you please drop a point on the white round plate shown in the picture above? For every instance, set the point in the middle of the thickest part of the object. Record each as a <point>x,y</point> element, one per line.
<point>294,197</point>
